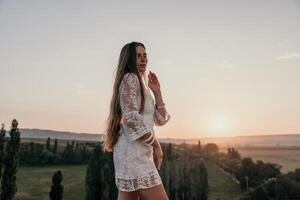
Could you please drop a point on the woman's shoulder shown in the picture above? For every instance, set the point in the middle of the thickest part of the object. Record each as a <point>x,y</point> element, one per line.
<point>130,80</point>
<point>131,77</point>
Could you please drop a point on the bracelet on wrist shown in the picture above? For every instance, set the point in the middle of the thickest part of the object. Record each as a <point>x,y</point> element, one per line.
<point>160,106</point>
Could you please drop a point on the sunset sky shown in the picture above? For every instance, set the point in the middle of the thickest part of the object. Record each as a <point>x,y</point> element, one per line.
<point>226,68</point>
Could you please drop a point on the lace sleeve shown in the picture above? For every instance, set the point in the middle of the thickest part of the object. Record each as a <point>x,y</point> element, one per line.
<point>159,120</point>
<point>132,119</point>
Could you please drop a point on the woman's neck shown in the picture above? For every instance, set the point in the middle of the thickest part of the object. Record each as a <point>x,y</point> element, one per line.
<point>144,80</point>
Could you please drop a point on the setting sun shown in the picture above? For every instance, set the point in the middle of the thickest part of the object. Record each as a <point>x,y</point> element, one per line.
<point>219,124</point>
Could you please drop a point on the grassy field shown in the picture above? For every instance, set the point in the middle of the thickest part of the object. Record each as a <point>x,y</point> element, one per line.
<point>34,182</point>
<point>288,159</point>
<point>221,186</point>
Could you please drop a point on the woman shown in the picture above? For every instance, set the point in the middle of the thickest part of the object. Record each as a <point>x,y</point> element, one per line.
<point>130,135</point>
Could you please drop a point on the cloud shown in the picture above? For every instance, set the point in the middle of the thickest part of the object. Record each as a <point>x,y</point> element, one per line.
<point>288,56</point>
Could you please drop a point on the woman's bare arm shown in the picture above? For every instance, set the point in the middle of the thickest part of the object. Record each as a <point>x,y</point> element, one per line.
<point>155,87</point>
<point>159,102</point>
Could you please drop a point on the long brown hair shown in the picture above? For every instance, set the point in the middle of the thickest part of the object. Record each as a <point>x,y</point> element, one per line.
<point>127,64</point>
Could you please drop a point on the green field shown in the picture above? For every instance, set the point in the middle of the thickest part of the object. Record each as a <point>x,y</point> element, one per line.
<point>34,182</point>
<point>288,159</point>
<point>221,186</point>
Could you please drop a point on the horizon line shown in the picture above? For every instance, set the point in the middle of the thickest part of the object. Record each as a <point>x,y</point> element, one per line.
<point>178,138</point>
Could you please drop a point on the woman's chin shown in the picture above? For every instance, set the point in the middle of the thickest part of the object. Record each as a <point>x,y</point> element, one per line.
<point>142,70</point>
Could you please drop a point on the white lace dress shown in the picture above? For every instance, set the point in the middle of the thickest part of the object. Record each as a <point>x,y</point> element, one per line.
<point>133,159</point>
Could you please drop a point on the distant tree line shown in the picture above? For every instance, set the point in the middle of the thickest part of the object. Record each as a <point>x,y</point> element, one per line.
<point>37,154</point>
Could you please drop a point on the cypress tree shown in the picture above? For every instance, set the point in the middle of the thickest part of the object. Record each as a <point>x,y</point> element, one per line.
<point>199,147</point>
<point>169,152</point>
<point>57,189</point>
<point>76,146</point>
<point>203,181</point>
<point>48,145</point>
<point>229,152</point>
<point>8,183</point>
<point>186,178</point>
<point>84,153</point>
<point>172,172</point>
<point>31,149</point>
<point>94,177</point>
<point>2,139</point>
<point>109,185</point>
<point>73,145</point>
<point>55,146</point>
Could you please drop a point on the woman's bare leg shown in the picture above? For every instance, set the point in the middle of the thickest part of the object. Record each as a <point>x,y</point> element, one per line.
<point>128,195</point>
<point>154,193</point>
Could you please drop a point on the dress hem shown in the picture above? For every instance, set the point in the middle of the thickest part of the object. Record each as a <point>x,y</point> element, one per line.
<point>139,188</point>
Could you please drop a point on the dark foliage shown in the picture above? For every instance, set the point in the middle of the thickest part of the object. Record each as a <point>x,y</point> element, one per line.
<point>57,189</point>
<point>8,183</point>
<point>94,175</point>
<point>2,140</point>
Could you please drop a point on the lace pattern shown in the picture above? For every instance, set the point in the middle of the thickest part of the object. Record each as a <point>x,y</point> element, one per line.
<point>149,180</point>
<point>159,120</point>
<point>130,105</point>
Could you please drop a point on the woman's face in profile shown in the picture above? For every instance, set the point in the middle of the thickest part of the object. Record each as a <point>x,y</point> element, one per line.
<point>141,59</point>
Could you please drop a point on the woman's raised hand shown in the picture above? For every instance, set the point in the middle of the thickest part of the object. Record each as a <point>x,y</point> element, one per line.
<point>153,82</point>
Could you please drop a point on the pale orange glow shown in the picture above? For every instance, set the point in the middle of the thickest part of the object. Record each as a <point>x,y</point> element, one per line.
<point>219,125</point>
